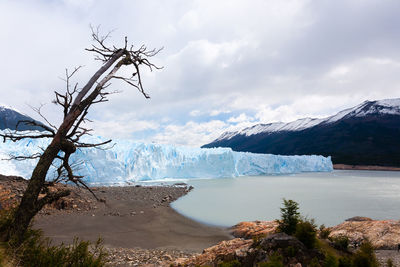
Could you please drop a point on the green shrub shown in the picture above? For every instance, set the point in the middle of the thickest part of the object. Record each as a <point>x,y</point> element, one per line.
<point>291,251</point>
<point>314,263</point>
<point>345,262</point>
<point>289,217</point>
<point>36,250</point>
<point>6,220</point>
<point>389,263</point>
<point>340,242</point>
<point>324,232</point>
<point>331,261</point>
<point>306,232</point>
<point>234,263</point>
<point>275,260</point>
<point>365,256</point>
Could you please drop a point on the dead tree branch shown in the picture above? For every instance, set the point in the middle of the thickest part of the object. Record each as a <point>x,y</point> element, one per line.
<point>66,138</point>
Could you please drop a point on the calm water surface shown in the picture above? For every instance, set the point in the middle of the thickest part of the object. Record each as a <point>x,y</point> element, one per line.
<point>330,198</point>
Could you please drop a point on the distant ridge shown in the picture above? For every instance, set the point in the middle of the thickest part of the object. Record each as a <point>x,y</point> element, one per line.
<point>9,118</point>
<point>367,134</point>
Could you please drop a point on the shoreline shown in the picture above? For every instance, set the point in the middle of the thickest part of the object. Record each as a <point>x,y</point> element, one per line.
<point>132,217</point>
<point>364,167</point>
<point>136,223</point>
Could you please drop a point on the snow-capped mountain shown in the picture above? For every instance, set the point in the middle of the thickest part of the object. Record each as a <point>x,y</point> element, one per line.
<point>9,118</point>
<point>296,125</point>
<point>372,127</point>
<point>386,106</point>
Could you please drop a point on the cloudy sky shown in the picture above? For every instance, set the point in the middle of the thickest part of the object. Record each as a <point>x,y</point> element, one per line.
<point>227,64</point>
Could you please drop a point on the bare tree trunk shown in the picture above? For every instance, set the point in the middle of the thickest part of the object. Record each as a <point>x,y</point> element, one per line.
<point>30,204</point>
<point>66,138</point>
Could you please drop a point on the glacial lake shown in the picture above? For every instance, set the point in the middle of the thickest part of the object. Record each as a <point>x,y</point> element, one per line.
<point>329,197</point>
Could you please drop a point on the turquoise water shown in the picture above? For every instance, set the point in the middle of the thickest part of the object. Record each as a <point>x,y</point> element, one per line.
<point>330,198</point>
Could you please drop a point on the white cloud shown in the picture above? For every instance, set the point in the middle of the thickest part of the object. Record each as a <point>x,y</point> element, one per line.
<point>195,113</point>
<point>339,71</point>
<point>122,128</point>
<point>191,133</point>
<point>241,118</point>
<point>264,60</point>
<point>217,112</point>
<point>190,21</point>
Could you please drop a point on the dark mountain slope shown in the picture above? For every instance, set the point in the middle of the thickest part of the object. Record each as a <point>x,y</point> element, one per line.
<point>10,117</point>
<point>364,135</point>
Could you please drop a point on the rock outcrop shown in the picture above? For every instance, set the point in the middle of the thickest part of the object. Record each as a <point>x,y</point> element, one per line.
<point>382,234</point>
<point>293,252</point>
<point>12,189</point>
<point>358,219</point>
<point>254,229</point>
<point>237,248</point>
<point>249,252</point>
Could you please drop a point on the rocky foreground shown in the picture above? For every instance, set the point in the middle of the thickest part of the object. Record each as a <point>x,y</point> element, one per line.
<point>384,234</point>
<point>256,241</point>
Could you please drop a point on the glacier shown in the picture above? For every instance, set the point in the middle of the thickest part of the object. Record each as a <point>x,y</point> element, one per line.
<point>128,162</point>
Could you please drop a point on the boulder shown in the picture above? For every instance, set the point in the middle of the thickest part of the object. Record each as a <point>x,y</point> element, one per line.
<point>224,251</point>
<point>289,247</point>
<point>254,229</point>
<point>358,219</point>
<point>249,252</point>
<point>383,234</point>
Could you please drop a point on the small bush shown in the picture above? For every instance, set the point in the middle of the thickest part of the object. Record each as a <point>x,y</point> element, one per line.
<point>306,232</point>
<point>314,263</point>
<point>340,242</point>
<point>6,220</point>
<point>291,251</point>
<point>36,250</point>
<point>365,256</point>
<point>275,260</point>
<point>257,238</point>
<point>331,261</point>
<point>289,217</point>
<point>324,232</point>
<point>345,262</point>
<point>389,263</point>
<point>234,263</point>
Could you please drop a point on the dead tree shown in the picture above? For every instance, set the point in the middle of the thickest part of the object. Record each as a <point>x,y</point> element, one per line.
<point>66,138</point>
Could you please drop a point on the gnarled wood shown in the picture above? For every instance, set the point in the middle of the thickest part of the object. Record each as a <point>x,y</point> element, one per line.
<point>66,138</point>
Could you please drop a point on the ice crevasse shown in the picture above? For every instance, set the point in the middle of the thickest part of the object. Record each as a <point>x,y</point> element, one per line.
<point>129,161</point>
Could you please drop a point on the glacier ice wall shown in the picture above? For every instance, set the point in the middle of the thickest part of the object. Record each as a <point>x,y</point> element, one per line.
<point>129,161</point>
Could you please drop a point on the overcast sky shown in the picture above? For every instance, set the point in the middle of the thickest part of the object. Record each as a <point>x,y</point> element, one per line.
<point>227,64</point>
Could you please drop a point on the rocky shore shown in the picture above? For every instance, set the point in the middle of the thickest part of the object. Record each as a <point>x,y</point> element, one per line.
<point>364,167</point>
<point>137,224</point>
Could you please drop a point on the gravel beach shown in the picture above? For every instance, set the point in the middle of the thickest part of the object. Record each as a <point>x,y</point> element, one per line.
<point>131,217</point>
<point>136,223</point>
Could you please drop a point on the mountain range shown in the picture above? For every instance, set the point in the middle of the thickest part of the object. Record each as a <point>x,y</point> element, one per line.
<point>367,134</point>
<point>9,118</point>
